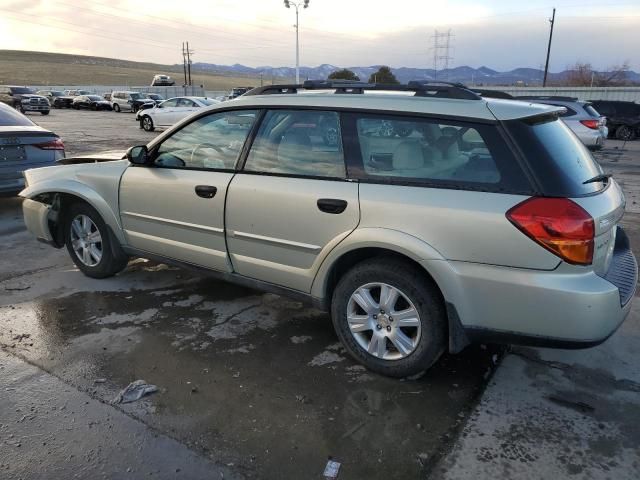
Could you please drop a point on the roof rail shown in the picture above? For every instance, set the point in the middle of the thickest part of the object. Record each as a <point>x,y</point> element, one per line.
<point>547,97</point>
<point>420,89</point>
<point>491,93</point>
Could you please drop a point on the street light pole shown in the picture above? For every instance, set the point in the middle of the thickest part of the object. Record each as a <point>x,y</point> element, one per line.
<point>304,4</point>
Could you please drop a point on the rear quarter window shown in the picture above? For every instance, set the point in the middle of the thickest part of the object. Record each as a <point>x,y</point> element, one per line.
<point>431,152</point>
<point>559,160</point>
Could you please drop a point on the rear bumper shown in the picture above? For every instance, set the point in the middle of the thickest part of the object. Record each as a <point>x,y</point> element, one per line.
<point>568,307</point>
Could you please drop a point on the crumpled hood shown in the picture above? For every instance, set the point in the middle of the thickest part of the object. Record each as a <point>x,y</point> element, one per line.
<point>59,174</point>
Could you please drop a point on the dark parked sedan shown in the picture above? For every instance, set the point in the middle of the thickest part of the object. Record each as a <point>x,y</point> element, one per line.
<point>92,102</point>
<point>23,145</point>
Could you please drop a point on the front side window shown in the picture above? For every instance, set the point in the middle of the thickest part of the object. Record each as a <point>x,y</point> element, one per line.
<point>298,142</point>
<point>212,142</point>
<point>418,149</point>
<point>169,103</point>
<point>185,103</point>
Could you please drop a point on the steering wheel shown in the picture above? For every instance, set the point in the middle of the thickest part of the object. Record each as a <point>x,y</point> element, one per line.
<point>207,145</point>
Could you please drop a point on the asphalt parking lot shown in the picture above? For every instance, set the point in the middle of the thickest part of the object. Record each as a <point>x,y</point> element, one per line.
<point>251,385</point>
<point>254,383</point>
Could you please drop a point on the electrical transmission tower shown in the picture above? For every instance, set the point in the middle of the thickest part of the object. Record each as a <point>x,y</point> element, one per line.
<point>441,49</point>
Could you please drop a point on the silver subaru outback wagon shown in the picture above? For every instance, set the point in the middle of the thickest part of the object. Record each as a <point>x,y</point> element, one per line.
<point>423,217</point>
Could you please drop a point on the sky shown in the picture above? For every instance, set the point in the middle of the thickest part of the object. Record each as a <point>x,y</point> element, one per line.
<point>499,34</point>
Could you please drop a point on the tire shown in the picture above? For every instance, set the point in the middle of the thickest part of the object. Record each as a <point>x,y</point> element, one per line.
<point>147,123</point>
<point>134,109</point>
<point>425,331</point>
<point>624,132</point>
<point>45,112</point>
<point>94,107</point>
<point>116,108</point>
<point>107,263</point>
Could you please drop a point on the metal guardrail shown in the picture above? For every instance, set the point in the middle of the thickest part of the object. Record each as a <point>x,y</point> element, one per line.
<point>629,94</point>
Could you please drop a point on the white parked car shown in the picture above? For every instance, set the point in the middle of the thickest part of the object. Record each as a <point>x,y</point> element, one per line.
<point>171,111</point>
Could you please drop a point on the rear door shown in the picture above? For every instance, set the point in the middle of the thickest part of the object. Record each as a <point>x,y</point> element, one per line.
<point>174,207</point>
<point>291,204</point>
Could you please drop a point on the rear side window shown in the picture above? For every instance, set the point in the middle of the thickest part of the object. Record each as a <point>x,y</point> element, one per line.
<point>558,158</point>
<point>298,142</point>
<point>436,152</point>
<point>11,118</point>
<point>591,111</point>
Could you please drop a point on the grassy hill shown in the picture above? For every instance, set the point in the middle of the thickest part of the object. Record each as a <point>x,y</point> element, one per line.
<point>42,68</point>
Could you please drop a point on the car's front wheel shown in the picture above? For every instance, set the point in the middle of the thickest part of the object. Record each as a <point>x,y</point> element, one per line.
<point>116,108</point>
<point>45,112</point>
<point>89,244</point>
<point>390,317</point>
<point>625,132</point>
<point>147,123</point>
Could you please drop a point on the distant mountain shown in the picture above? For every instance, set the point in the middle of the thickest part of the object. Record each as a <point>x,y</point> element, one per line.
<point>464,74</point>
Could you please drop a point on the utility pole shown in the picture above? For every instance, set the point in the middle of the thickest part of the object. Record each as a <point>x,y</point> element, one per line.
<point>297,5</point>
<point>189,52</point>
<point>184,63</point>
<point>552,20</point>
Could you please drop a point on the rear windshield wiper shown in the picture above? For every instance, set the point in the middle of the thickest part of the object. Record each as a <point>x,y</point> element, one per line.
<point>603,177</point>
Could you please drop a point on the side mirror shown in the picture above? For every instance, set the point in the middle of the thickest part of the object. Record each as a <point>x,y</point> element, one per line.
<point>138,155</point>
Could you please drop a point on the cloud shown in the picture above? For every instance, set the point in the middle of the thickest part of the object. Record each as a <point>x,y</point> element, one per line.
<point>332,31</point>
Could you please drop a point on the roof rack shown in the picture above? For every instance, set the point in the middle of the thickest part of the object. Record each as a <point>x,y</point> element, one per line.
<point>547,97</point>
<point>490,93</point>
<point>420,89</point>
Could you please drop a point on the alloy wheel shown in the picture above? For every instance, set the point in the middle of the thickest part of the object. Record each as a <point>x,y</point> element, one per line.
<point>384,321</point>
<point>86,240</point>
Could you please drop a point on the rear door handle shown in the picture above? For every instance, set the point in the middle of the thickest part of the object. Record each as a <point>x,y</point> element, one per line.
<point>206,191</point>
<point>332,205</point>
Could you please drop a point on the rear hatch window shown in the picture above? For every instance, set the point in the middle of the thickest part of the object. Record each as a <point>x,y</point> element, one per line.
<point>11,118</point>
<point>559,160</point>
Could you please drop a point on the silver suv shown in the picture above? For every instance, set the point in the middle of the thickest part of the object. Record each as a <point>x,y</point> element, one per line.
<point>423,217</point>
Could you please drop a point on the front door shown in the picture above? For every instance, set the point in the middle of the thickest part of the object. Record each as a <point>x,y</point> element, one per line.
<point>291,203</point>
<point>174,206</point>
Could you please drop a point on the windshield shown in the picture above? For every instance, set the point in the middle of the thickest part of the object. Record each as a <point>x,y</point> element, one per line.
<point>21,90</point>
<point>209,101</point>
<point>94,98</point>
<point>558,158</point>
<point>136,96</point>
<point>11,118</point>
<point>56,93</point>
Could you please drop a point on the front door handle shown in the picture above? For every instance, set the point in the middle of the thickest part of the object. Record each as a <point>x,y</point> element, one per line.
<point>332,205</point>
<point>206,191</point>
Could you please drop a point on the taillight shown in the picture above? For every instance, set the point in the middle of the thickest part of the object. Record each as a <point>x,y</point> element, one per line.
<point>56,144</point>
<point>558,224</point>
<point>592,124</point>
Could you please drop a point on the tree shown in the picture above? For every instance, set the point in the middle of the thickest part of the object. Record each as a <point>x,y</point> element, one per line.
<point>583,75</point>
<point>344,74</point>
<point>384,75</point>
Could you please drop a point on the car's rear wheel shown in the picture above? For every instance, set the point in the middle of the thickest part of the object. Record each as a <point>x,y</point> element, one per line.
<point>116,107</point>
<point>624,132</point>
<point>147,123</point>
<point>390,317</point>
<point>88,242</point>
<point>45,112</point>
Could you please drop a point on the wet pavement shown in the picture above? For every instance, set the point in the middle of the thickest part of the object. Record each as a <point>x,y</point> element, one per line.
<point>253,384</point>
